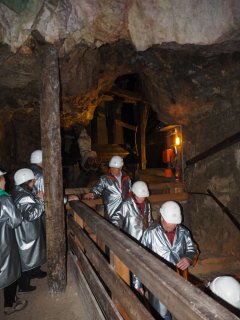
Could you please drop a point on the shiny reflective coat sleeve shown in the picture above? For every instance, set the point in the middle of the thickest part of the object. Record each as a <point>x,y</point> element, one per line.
<point>30,208</point>
<point>183,246</point>
<point>112,193</point>
<point>155,238</point>
<point>10,218</point>
<point>129,218</point>
<point>39,182</point>
<point>30,234</point>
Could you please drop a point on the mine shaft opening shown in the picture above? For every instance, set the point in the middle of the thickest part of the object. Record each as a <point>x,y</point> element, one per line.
<point>124,123</point>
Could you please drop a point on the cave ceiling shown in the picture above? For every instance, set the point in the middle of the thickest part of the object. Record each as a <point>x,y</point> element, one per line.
<point>178,49</point>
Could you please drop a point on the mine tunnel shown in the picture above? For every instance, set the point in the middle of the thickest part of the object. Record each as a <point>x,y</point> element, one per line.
<point>165,99</point>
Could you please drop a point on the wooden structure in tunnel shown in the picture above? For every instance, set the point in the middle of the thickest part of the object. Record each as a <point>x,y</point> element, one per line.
<point>183,300</point>
<point>52,169</point>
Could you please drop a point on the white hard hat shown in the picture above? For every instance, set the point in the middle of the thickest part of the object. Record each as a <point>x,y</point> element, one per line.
<point>171,212</point>
<point>2,173</point>
<point>116,162</point>
<point>36,156</point>
<point>228,289</point>
<point>140,189</point>
<point>23,175</point>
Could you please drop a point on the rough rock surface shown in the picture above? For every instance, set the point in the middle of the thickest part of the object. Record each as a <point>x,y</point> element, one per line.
<point>187,57</point>
<point>144,23</point>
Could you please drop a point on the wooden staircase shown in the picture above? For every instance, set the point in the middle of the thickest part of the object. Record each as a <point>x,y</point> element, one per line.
<point>162,188</point>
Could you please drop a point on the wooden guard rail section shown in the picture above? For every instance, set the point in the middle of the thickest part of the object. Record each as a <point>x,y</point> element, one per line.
<point>153,198</point>
<point>184,301</point>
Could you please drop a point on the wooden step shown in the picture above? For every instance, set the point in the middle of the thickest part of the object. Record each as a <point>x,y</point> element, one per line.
<point>160,198</point>
<point>166,187</point>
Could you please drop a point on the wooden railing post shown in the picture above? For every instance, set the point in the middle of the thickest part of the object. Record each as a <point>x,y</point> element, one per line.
<point>182,299</point>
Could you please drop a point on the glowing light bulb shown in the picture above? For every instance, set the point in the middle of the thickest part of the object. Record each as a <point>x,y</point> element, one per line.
<point>177,141</point>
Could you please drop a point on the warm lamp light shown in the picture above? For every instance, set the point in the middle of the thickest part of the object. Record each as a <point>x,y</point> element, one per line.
<point>177,141</point>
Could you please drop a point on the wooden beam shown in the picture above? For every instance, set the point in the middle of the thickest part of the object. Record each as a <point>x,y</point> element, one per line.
<point>121,291</point>
<point>52,170</point>
<point>95,285</point>
<point>160,198</point>
<point>110,111</point>
<point>126,125</point>
<point>153,198</point>
<point>90,305</point>
<point>129,96</point>
<point>184,301</point>
<point>120,123</point>
<point>143,118</point>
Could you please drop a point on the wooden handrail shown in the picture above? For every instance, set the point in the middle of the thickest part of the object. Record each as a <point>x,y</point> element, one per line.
<point>120,290</point>
<point>153,198</point>
<point>218,147</point>
<point>184,301</point>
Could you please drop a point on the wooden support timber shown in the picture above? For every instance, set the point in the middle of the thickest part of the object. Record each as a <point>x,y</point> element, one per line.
<point>95,285</point>
<point>52,170</point>
<point>184,301</point>
<point>144,110</point>
<point>153,198</point>
<point>120,290</point>
<point>91,307</point>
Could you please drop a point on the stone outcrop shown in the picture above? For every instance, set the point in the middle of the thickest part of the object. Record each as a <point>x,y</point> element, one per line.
<point>96,22</point>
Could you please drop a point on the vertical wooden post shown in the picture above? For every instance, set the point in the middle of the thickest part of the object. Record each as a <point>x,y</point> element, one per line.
<point>52,170</point>
<point>110,111</point>
<point>143,118</point>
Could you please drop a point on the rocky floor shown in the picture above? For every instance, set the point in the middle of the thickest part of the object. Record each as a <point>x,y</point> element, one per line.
<point>43,306</point>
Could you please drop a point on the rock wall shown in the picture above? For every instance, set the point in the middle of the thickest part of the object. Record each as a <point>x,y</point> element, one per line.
<point>96,22</point>
<point>193,85</point>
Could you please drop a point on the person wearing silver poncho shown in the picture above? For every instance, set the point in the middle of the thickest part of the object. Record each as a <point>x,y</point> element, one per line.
<point>36,167</point>
<point>10,267</point>
<point>113,187</point>
<point>171,241</point>
<point>135,214</point>
<point>30,235</point>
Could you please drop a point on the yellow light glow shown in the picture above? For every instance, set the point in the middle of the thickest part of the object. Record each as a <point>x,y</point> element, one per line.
<point>177,141</point>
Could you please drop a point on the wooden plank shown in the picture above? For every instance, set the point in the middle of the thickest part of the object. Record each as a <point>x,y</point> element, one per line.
<point>183,300</point>
<point>125,94</point>
<point>126,125</point>
<point>153,186</point>
<point>144,110</point>
<point>52,170</point>
<point>159,198</point>
<point>121,269</point>
<point>91,308</point>
<point>119,289</point>
<point>95,285</point>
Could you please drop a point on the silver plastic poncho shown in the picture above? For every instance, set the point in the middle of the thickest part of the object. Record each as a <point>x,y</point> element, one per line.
<point>10,218</point>
<point>129,218</point>
<point>30,234</point>
<point>112,192</point>
<point>38,174</point>
<point>156,239</point>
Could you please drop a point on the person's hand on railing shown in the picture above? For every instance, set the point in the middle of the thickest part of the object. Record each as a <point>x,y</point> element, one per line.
<point>88,196</point>
<point>183,263</point>
<point>72,197</point>
<point>141,291</point>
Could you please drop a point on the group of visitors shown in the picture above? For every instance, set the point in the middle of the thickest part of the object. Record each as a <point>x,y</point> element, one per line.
<point>22,233</point>
<point>22,230</point>
<point>127,207</point>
